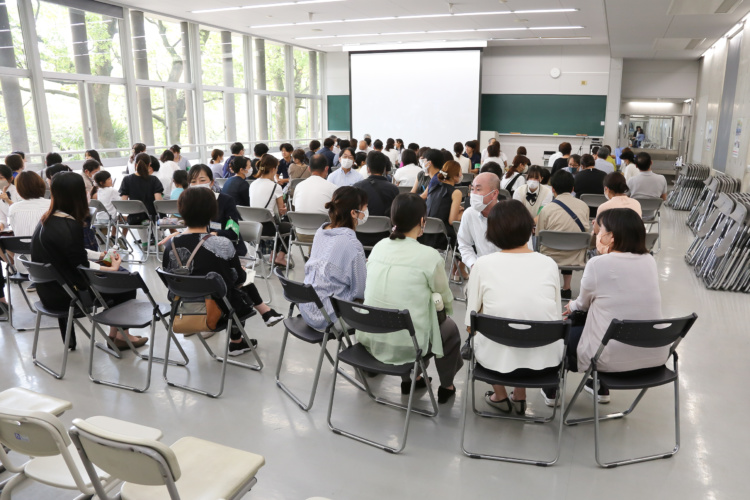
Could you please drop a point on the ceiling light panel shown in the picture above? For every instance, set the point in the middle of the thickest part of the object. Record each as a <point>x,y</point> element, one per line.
<point>432,32</point>
<point>264,6</point>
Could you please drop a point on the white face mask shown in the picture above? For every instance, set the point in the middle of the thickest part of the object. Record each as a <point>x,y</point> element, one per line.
<point>422,162</point>
<point>346,163</point>
<point>3,184</point>
<point>477,201</point>
<point>206,185</point>
<point>533,185</point>
<point>366,213</point>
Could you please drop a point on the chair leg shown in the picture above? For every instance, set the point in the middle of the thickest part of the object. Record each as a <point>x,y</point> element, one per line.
<point>316,377</point>
<point>157,359</point>
<point>130,344</point>
<point>12,484</point>
<point>356,383</point>
<point>68,330</point>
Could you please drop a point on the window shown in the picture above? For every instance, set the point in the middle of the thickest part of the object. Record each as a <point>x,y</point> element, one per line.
<point>216,123</point>
<point>222,59</point>
<point>109,118</point>
<point>307,116</point>
<point>66,121</point>
<point>306,72</point>
<point>159,48</point>
<point>270,116</point>
<point>270,71</point>
<point>12,54</point>
<point>18,110</point>
<point>173,125</point>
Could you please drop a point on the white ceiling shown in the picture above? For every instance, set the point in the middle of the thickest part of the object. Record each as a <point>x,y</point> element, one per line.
<point>640,29</point>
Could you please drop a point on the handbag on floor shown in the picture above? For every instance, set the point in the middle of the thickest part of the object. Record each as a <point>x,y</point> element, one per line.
<point>194,316</point>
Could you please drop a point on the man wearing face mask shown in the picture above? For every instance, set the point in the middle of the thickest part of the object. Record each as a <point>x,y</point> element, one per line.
<point>380,193</point>
<point>432,162</point>
<point>346,175</point>
<point>472,234</point>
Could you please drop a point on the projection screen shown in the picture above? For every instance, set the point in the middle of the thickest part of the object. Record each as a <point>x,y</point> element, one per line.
<point>427,97</point>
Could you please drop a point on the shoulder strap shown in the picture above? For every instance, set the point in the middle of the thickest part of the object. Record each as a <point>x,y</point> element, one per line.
<point>192,255</point>
<point>509,187</point>
<point>273,192</point>
<point>570,212</point>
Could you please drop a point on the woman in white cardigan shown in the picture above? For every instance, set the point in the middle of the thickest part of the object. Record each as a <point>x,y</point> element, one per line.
<point>515,283</point>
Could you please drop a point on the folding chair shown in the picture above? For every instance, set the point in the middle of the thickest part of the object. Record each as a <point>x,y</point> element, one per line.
<point>517,334</point>
<point>19,246</point>
<point>99,223</point>
<point>565,241</point>
<point>593,200</point>
<point>504,194</point>
<point>198,288</point>
<point>263,215</point>
<point>220,181</point>
<point>404,189</point>
<point>306,222</point>
<point>464,190</point>
<point>45,273</point>
<point>155,471</point>
<point>456,258</point>
<point>134,207</point>
<point>651,207</point>
<point>290,190</point>
<point>131,314</point>
<point>467,178</point>
<point>436,226</point>
<point>375,224</point>
<point>644,334</point>
<point>378,321</point>
<point>41,435</point>
<point>251,234</point>
<point>165,208</point>
<point>651,241</point>
<point>298,293</point>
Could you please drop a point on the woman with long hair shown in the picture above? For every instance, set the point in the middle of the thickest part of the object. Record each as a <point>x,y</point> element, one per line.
<point>137,149</point>
<point>514,178</point>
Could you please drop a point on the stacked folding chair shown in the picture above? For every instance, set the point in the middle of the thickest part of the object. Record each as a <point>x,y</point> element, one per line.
<point>689,184</point>
<point>714,187</point>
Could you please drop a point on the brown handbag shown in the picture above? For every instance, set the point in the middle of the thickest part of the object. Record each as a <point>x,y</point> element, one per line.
<point>199,315</point>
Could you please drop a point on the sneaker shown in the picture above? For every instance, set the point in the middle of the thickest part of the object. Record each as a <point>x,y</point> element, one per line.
<point>466,350</point>
<point>271,317</point>
<point>602,397</point>
<point>31,288</point>
<point>550,397</point>
<point>566,294</point>
<point>237,348</point>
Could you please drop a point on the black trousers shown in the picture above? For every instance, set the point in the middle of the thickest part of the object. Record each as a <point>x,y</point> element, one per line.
<point>243,301</point>
<point>270,230</point>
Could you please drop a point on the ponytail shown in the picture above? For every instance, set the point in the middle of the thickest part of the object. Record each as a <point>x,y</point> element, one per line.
<point>450,170</point>
<point>266,164</point>
<point>142,162</point>
<point>216,154</point>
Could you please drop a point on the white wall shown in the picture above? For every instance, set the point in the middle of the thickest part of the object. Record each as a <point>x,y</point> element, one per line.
<point>337,73</point>
<point>653,79</point>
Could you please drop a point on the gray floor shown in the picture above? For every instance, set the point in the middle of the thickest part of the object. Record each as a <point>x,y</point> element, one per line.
<point>305,459</point>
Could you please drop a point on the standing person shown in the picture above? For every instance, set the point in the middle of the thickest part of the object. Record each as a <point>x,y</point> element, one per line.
<point>534,195</point>
<point>137,149</point>
<point>346,175</point>
<point>89,169</point>
<point>337,260</point>
<point>473,155</point>
<point>514,178</point>
<point>601,162</point>
<point>403,274</point>
<point>298,169</point>
<point>266,193</point>
<point>560,163</point>
<point>565,213</point>
<point>282,171</point>
<point>458,155</point>
<point>237,149</point>
<point>408,173</point>
<point>58,240</point>
<point>144,187</point>
<point>647,184</point>
<point>180,160</point>
<point>472,234</point>
<point>236,186</point>
<point>217,163</point>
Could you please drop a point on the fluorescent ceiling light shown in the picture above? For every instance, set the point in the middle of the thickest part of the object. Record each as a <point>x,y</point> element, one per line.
<point>432,32</point>
<point>688,100</point>
<point>263,6</point>
<point>541,38</point>
<point>436,44</point>
<point>736,28</point>
<point>660,104</point>
<point>421,16</point>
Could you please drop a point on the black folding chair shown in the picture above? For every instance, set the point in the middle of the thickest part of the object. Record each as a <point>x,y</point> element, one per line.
<point>17,245</point>
<point>196,288</point>
<point>378,321</point>
<point>519,334</point>
<point>45,273</point>
<point>131,314</point>
<point>298,293</point>
<point>645,334</point>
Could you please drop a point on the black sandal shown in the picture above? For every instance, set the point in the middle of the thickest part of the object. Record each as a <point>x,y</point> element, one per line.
<point>504,405</point>
<point>519,406</point>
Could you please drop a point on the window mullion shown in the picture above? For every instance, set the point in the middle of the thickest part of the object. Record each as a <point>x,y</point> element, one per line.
<point>128,70</point>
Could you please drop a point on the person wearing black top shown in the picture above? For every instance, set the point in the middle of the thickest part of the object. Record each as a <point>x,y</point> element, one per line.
<point>380,194</point>
<point>565,148</point>
<point>198,207</point>
<point>236,186</point>
<point>472,154</point>
<point>282,171</point>
<point>589,180</point>
<point>327,151</point>
<point>58,240</point>
<point>444,203</point>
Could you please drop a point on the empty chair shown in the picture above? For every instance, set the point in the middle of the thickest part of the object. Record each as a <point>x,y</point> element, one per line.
<point>251,233</point>
<point>516,334</point>
<point>566,242</point>
<point>265,216</point>
<point>307,222</point>
<point>593,200</point>
<point>378,321</point>
<point>643,334</point>
<point>219,181</point>
<point>651,208</point>
<point>134,208</point>
<point>17,245</point>
<point>190,469</point>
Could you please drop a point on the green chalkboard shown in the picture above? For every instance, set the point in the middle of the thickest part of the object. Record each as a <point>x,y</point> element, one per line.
<point>338,113</point>
<point>544,114</point>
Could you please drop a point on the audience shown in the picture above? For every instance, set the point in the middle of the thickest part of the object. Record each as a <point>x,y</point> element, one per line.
<point>346,175</point>
<point>49,172</point>
<point>144,187</point>
<point>105,193</point>
<point>458,155</point>
<point>391,152</point>
<point>413,146</point>
<point>555,156</point>
<point>313,194</point>
<point>236,186</point>
<point>180,160</point>
<point>16,163</point>
<point>298,169</point>
<point>560,163</point>
<point>514,178</point>
<point>282,171</point>
<point>627,164</point>
<point>237,149</point>
<point>93,154</point>
<point>403,274</point>
<point>574,164</point>
<point>217,163</point>
<point>180,182</point>
<point>327,151</point>
<point>259,150</point>
<point>25,214</point>
<point>344,144</point>
<point>165,170</point>
<point>89,169</point>
<point>472,233</point>
<point>137,149</point>
<point>517,283</point>
<point>611,158</point>
<point>444,203</point>
<point>360,164</point>
<point>601,160</point>
<point>337,260</point>
<point>380,194</point>
<point>494,154</point>
<point>485,152</point>
<point>266,193</point>
<point>474,156</point>
<point>589,180</point>
<point>521,151</point>
<point>314,147</point>
<point>408,173</point>
<point>647,184</point>
<point>494,168</point>
<point>564,213</point>
<point>534,195</point>
<point>433,163</point>
<point>616,189</point>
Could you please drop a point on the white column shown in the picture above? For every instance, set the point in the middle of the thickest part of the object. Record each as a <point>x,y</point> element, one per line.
<point>612,116</point>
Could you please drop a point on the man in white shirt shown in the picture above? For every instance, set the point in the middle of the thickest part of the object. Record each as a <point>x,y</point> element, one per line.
<point>484,153</point>
<point>601,160</point>
<point>312,194</point>
<point>647,184</point>
<point>472,239</point>
<point>345,176</point>
<point>555,156</point>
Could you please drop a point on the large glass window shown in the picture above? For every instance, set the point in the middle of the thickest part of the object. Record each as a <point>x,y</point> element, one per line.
<point>12,54</point>
<point>306,72</point>
<point>64,101</point>
<point>270,70</point>
<point>222,58</point>
<point>270,117</point>
<point>216,123</point>
<point>307,118</point>
<point>159,48</point>
<point>109,118</point>
<point>18,109</point>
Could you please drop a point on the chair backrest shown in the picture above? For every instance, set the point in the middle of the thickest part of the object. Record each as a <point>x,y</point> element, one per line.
<point>165,206</point>
<point>92,212</point>
<point>456,225</point>
<point>113,281</point>
<point>464,190</point>
<point>251,231</point>
<point>293,183</point>
<point>32,433</point>
<point>593,200</point>
<point>129,207</point>
<point>220,181</point>
<point>307,221</point>
<point>16,244</point>
<point>649,204</point>
<point>372,319</point>
<point>255,214</point>
<point>404,189</point>
<point>131,459</point>
<point>193,287</point>
<point>296,292</point>
<point>564,240</point>
<point>649,333</point>
<point>504,194</point>
<point>519,333</point>
<point>42,273</point>
<point>467,177</point>
<point>651,240</point>
<point>375,224</point>
<point>434,226</point>
<point>99,208</point>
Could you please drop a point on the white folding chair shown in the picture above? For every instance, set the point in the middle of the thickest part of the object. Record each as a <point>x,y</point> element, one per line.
<point>250,232</point>
<point>651,210</point>
<point>309,222</point>
<point>263,216</point>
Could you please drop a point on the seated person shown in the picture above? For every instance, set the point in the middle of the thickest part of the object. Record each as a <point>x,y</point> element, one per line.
<point>616,191</point>
<point>601,162</point>
<point>298,169</point>
<point>266,193</point>
<point>180,180</point>
<point>337,260</point>
<point>472,239</point>
<point>198,208</point>
<point>564,213</point>
<point>345,175</point>
<point>627,164</point>
<point>534,195</point>
<point>562,162</point>
<point>403,274</point>
<point>312,194</point>
<point>236,186</point>
<point>24,215</point>
<point>514,178</point>
<point>515,283</point>
<point>589,180</point>
<point>647,184</point>
<point>407,174</point>
<point>58,240</point>
<point>380,193</point>
<point>432,162</point>
<point>607,293</point>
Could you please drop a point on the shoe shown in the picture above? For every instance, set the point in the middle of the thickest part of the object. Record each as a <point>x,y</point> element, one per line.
<point>504,405</point>
<point>445,394</point>
<point>518,405</point>
<point>421,384</point>
<point>31,288</point>
<point>271,317</point>
<point>237,348</point>
<point>566,294</point>
<point>466,350</point>
<point>550,397</point>
<point>124,346</point>
<point>207,335</point>
<point>602,397</point>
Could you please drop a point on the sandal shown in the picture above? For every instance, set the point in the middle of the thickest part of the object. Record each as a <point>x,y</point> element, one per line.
<point>518,405</point>
<point>504,405</point>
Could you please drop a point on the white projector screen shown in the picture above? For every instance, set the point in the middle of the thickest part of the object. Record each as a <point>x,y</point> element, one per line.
<point>427,97</point>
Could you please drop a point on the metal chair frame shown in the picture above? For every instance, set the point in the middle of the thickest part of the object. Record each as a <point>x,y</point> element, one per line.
<point>250,231</point>
<point>433,225</point>
<point>651,208</point>
<point>134,207</point>
<point>18,245</point>
<point>264,215</point>
<point>375,224</point>
<point>99,208</point>
<point>462,285</point>
<point>307,221</point>
<point>165,207</point>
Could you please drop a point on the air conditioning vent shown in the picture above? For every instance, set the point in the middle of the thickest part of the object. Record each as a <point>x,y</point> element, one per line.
<point>728,6</point>
<point>694,43</point>
<point>702,7</point>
